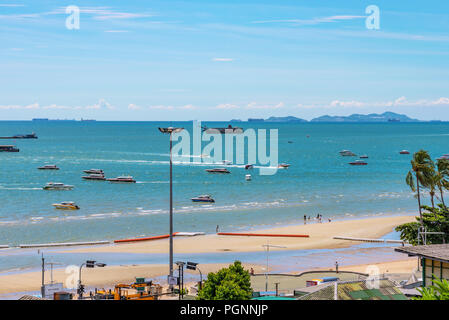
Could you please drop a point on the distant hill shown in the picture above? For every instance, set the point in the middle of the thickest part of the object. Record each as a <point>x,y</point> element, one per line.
<point>278,119</point>
<point>285,119</point>
<point>373,117</point>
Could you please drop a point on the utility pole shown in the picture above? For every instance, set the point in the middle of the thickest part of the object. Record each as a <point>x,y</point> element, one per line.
<point>267,246</point>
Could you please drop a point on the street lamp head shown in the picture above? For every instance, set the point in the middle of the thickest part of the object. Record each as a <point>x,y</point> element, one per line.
<point>170,130</point>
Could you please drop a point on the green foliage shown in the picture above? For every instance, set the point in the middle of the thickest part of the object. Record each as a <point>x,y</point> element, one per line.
<point>438,291</point>
<point>434,220</point>
<point>232,283</point>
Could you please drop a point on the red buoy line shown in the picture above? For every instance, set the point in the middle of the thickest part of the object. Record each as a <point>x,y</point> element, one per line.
<point>145,238</point>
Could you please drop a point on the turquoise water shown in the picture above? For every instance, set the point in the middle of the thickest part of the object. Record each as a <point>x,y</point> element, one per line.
<point>318,181</point>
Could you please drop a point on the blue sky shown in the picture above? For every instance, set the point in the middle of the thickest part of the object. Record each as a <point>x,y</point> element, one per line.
<point>219,60</point>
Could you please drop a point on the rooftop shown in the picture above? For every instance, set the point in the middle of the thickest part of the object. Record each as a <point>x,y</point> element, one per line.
<point>438,252</point>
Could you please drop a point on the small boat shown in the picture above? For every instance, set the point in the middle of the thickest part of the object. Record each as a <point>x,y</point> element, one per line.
<point>364,156</point>
<point>95,177</point>
<point>94,171</point>
<point>283,165</point>
<point>57,186</point>
<point>125,179</point>
<point>290,141</point>
<point>9,149</point>
<point>444,157</point>
<point>66,205</point>
<point>22,136</point>
<point>358,163</point>
<point>226,162</point>
<point>249,166</point>
<point>248,177</point>
<point>347,153</point>
<point>203,198</point>
<point>49,167</point>
<point>404,152</point>
<point>218,170</point>
<point>229,129</point>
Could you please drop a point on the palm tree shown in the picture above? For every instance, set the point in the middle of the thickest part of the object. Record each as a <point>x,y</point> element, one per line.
<point>422,170</point>
<point>443,173</point>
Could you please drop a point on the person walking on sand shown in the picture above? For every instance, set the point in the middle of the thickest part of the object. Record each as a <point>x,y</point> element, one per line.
<point>305,219</point>
<point>216,229</point>
<point>336,266</point>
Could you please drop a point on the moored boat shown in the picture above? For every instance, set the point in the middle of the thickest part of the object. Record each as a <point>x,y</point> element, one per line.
<point>94,171</point>
<point>283,165</point>
<point>203,198</point>
<point>94,177</point>
<point>347,153</point>
<point>49,167</point>
<point>66,205</point>
<point>124,179</point>
<point>57,186</point>
<point>364,156</point>
<point>9,149</point>
<point>358,163</point>
<point>218,170</point>
<point>404,152</point>
<point>249,166</point>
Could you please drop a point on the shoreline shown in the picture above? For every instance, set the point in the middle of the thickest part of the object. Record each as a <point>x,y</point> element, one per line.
<point>320,237</point>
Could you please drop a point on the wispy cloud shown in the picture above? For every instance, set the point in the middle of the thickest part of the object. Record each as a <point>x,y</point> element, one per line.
<point>116,31</point>
<point>223,59</point>
<point>100,105</point>
<point>313,21</point>
<point>399,102</point>
<point>104,13</point>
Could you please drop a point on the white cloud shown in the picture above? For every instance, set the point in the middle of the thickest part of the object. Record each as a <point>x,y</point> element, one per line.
<point>254,105</point>
<point>227,106</point>
<point>313,21</point>
<point>399,102</point>
<point>116,31</point>
<point>134,107</point>
<point>222,59</point>
<point>104,13</point>
<point>102,104</point>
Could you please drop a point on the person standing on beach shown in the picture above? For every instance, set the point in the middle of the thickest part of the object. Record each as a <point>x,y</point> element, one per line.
<point>336,266</point>
<point>216,229</point>
<point>305,219</point>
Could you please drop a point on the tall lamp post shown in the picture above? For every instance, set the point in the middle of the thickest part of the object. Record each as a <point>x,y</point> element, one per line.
<point>268,246</point>
<point>88,264</point>
<point>169,131</point>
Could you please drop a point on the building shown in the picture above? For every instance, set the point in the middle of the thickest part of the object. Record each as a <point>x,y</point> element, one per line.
<point>434,261</point>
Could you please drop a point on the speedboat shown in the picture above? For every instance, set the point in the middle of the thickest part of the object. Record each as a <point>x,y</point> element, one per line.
<point>444,157</point>
<point>248,177</point>
<point>404,152</point>
<point>218,170</point>
<point>66,205</point>
<point>57,186</point>
<point>203,198</point>
<point>9,149</point>
<point>283,165</point>
<point>249,166</point>
<point>49,167</point>
<point>94,177</point>
<point>364,156</point>
<point>94,171</point>
<point>226,162</point>
<point>125,179</point>
<point>358,163</point>
<point>347,153</point>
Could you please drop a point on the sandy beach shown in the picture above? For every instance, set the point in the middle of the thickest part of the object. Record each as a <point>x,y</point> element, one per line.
<point>320,237</point>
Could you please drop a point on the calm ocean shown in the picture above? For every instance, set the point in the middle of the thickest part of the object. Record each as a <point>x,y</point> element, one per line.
<point>318,181</point>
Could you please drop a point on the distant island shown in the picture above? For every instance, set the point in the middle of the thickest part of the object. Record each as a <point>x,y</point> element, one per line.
<point>372,117</point>
<point>46,119</point>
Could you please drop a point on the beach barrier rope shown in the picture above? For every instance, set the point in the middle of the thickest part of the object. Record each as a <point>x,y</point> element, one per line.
<point>262,235</point>
<point>63,244</point>
<point>368,240</point>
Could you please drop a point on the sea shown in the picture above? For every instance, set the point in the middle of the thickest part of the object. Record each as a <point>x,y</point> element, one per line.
<point>318,181</point>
